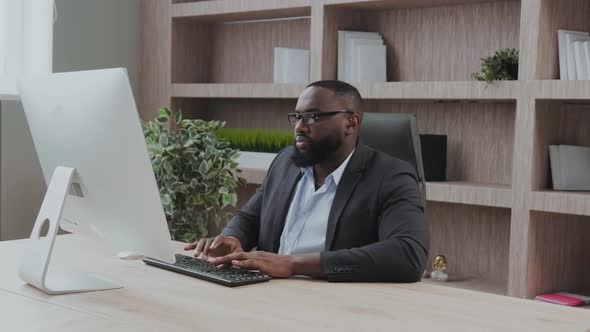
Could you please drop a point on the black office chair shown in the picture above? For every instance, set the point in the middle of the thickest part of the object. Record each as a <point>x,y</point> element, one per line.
<point>396,135</point>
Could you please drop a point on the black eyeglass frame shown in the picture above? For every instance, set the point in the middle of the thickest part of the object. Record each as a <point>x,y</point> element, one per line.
<point>311,117</point>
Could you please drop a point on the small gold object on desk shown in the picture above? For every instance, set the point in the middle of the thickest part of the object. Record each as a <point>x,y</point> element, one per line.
<point>439,269</point>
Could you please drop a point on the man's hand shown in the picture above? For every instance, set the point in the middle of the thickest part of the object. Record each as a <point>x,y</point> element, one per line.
<point>215,247</point>
<point>277,266</point>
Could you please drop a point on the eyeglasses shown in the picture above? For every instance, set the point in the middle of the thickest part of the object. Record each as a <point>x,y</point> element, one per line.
<point>311,117</point>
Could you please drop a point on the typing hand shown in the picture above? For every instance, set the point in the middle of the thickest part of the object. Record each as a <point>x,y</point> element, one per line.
<point>277,266</point>
<point>215,247</point>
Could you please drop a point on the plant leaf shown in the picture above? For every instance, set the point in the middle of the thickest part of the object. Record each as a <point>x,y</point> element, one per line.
<point>178,117</point>
<point>163,140</point>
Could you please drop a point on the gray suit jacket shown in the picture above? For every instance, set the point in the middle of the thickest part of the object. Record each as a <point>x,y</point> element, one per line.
<point>376,227</point>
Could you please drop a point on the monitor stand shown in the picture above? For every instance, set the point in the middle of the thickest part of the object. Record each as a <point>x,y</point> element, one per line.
<point>35,261</point>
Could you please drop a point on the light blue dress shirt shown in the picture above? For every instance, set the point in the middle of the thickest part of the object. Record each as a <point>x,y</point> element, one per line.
<point>307,219</point>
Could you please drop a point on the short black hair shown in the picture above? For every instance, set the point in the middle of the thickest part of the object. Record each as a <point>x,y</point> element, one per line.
<point>342,89</point>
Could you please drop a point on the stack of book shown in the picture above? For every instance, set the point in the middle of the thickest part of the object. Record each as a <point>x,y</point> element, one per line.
<point>361,57</point>
<point>291,65</point>
<point>574,55</point>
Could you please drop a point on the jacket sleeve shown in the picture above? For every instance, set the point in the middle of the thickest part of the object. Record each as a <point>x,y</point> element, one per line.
<point>401,253</point>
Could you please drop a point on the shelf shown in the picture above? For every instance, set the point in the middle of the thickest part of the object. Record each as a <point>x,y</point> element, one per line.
<point>561,90</point>
<point>498,287</point>
<point>233,10</point>
<point>572,92</point>
<point>237,90</point>
<point>435,91</point>
<point>469,193</point>
<point>253,166</point>
<point>577,203</point>
<point>468,91</point>
<point>387,4</point>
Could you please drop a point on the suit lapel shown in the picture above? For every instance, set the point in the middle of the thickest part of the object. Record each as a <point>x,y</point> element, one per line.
<point>282,203</point>
<point>350,178</point>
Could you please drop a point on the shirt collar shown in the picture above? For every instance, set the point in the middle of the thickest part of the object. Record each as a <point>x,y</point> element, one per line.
<point>336,174</point>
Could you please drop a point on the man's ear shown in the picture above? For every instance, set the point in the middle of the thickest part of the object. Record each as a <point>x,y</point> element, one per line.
<point>353,124</point>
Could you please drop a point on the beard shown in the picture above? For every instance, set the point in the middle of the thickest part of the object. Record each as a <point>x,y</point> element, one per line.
<point>317,151</point>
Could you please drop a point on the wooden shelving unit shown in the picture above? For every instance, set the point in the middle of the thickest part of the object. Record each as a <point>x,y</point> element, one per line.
<point>497,220</point>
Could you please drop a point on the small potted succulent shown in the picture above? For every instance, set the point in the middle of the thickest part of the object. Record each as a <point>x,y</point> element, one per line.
<point>503,65</point>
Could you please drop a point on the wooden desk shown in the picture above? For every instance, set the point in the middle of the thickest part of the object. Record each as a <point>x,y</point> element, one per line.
<point>158,300</point>
<point>21,313</point>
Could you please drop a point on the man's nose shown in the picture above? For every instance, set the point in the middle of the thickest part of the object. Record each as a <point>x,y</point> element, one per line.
<point>301,127</point>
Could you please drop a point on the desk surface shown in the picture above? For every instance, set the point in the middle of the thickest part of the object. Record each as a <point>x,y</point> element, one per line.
<point>21,313</point>
<point>159,300</point>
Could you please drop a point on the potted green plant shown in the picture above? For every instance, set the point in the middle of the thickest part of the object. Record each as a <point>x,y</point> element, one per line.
<point>195,171</point>
<point>503,65</point>
<point>257,148</point>
<point>256,140</point>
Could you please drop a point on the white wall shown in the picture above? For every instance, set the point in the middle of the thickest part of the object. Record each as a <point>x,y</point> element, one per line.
<point>21,182</point>
<point>88,34</point>
<point>93,34</point>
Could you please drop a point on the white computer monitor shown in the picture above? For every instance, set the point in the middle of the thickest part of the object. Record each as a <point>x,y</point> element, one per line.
<point>90,144</point>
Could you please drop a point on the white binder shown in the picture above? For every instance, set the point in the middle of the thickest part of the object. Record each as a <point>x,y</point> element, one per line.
<point>369,63</point>
<point>344,54</point>
<point>563,51</point>
<point>570,167</point>
<point>580,59</point>
<point>291,65</point>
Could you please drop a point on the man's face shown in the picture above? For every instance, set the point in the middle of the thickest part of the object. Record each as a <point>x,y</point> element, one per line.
<point>314,143</point>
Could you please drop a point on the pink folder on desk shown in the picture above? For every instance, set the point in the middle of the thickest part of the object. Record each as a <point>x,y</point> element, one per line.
<point>564,298</point>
